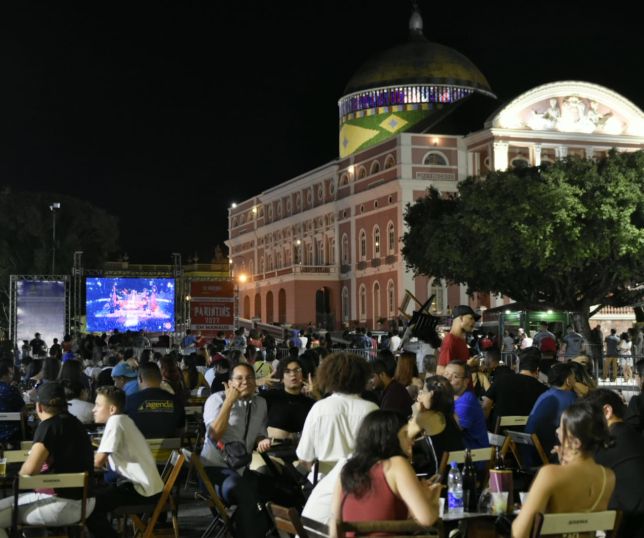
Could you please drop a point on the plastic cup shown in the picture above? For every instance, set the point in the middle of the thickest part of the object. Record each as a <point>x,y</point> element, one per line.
<point>3,466</point>
<point>499,502</point>
<point>441,506</point>
<point>523,496</point>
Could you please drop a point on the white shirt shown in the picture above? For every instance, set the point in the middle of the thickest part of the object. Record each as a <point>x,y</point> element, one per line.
<point>82,410</point>
<point>130,455</point>
<point>210,375</point>
<point>318,505</point>
<point>394,343</point>
<point>331,427</point>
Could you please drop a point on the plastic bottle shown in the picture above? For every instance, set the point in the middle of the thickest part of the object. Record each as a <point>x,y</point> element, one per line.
<point>454,490</point>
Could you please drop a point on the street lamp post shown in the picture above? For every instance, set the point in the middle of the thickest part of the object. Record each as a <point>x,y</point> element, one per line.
<point>241,279</point>
<point>53,207</point>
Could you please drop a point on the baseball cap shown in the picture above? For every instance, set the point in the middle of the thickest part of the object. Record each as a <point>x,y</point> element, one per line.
<point>49,391</point>
<point>464,310</point>
<point>123,369</point>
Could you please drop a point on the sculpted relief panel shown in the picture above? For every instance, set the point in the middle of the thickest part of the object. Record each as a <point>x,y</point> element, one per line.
<point>572,114</point>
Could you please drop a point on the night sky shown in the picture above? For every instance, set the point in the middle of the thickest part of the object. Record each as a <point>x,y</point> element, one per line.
<point>163,113</point>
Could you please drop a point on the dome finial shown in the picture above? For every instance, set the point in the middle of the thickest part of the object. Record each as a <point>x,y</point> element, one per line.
<point>415,21</point>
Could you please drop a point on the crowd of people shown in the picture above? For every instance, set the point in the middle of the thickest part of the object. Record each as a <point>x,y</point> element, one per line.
<point>358,428</point>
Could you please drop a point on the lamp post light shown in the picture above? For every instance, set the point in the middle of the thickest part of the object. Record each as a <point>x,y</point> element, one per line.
<point>53,208</point>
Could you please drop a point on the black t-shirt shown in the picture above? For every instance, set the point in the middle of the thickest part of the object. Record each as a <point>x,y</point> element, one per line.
<point>287,411</point>
<point>513,395</point>
<point>70,449</point>
<point>635,413</point>
<point>500,371</point>
<point>218,381</point>
<point>104,377</point>
<point>626,459</point>
<point>396,398</point>
<point>449,440</point>
<point>156,412</point>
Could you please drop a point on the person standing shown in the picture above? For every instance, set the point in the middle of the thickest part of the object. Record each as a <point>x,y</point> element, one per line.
<point>454,346</point>
<point>573,343</point>
<point>612,352</point>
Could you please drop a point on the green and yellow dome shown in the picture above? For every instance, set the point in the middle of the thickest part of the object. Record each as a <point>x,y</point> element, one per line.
<point>405,89</point>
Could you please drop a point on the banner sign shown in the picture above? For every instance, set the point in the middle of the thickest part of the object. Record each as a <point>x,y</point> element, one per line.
<point>212,306</point>
<point>40,309</point>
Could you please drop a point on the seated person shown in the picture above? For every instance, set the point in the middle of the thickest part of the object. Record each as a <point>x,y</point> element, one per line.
<point>78,407</point>
<point>578,484</point>
<point>193,380</point>
<point>156,413</point>
<point>515,394</point>
<point>546,413</point>
<point>125,378</point>
<point>331,426</point>
<point>635,411</point>
<point>128,454</point>
<point>10,402</point>
<point>393,396</point>
<point>220,376</point>
<point>237,414</point>
<point>436,398</point>
<point>626,458</point>
<point>61,445</point>
<point>287,407</point>
<point>468,409</point>
<point>378,482</point>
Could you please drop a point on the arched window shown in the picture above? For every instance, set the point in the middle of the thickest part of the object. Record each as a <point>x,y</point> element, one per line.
<point>435,158</point>
<point>320,260</point>
<point>345,249</point>
<point>251,268</point>
<point>258,305</point>
<point>278,260</point>
<point>261,264</point>
<point>439,290</point>
<point>332,252</point>
<point>376,303</point>
<point>391,299</point>
<point>363,303</point>
<point>309,254</point>
<point>363,245</point>
<point>391,238</point>
<point>376,242</point>
<point>344,180</point>
<point>375,167</point>
<point>362,172</point>
<point>345,304</point>
<point>234,221</point>
<point>269,262</point>
<point>390,161</point>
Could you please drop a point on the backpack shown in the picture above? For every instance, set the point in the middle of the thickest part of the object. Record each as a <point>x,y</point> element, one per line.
<point>548,345</point>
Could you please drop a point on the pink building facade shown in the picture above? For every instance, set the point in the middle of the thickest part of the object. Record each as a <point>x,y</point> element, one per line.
<point>324,247</point>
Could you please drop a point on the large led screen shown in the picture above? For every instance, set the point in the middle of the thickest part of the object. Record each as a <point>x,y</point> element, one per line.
<point>40,306</point>
<point>130,304</point>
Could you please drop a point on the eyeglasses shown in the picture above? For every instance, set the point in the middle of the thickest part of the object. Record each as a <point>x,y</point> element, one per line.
<point>241,378</point>
<point>292,370</point>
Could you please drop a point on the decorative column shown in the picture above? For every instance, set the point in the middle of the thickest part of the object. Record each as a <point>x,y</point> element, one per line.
<point>500,155</point>
<point>536,154</point>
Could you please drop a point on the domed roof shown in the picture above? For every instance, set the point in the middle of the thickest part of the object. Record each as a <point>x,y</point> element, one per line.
<point>418,61</point>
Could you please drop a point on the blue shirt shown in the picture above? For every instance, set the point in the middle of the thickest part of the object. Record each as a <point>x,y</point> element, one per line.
<point>471,420</point>
<point>131,387</point>
<point>546,414</point>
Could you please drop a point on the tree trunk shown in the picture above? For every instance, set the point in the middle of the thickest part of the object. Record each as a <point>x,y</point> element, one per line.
<point>595,349</point>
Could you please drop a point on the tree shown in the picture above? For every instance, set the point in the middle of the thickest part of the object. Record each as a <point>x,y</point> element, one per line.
<point>568,235</point>
<point>26,236</point>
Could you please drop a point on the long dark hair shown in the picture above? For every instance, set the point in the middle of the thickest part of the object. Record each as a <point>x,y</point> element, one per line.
<point>377,440</point>
<point>586,422</point>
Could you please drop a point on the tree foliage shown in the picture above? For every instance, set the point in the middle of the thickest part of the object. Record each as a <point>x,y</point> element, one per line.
<point>570,234</point>
<point>26,236</point>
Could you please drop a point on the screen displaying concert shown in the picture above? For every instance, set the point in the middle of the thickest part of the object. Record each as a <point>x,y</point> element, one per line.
<point>130,304</point>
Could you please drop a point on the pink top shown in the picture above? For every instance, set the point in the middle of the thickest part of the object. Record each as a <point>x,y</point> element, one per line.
<point>379,503</point>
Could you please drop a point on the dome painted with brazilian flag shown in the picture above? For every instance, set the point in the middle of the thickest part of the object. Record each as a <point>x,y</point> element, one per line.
<point>408,88</point>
